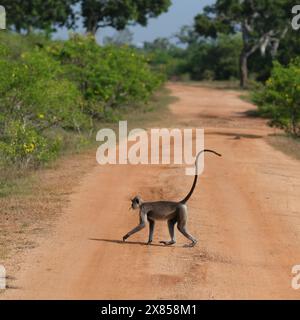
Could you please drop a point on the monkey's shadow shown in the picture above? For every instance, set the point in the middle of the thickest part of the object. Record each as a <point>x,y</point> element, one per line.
<point>131,243</point>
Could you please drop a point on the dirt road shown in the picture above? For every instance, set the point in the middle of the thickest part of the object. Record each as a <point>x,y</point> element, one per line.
<point>245,213</point>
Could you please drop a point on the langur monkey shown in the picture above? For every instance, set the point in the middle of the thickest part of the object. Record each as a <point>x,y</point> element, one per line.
<point>173,212</point>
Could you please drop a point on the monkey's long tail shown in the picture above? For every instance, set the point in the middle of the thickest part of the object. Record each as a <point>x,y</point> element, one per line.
<point>196,175</point>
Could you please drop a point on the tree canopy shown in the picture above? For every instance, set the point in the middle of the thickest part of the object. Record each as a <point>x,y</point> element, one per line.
<point>38,14</point>
<point>119,13</point>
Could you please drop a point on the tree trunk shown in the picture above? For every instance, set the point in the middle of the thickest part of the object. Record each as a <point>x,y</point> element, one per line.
<point>92,27</point>
<point>243,69</point>
<point>29,30</point>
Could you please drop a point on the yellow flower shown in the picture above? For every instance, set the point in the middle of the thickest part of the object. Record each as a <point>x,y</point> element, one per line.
<point>41,116</point>
<point>29,147</point>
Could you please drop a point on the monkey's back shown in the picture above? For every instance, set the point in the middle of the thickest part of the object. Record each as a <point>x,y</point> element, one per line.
<point>160,210</point>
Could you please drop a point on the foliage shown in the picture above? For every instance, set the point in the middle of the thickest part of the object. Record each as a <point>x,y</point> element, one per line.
<point>165,56</point>
<point>108,77</point>
<point>30,90</point>
<point>280,98</point>
<point>201,59</point>
<point>213,59</point>
<point>23,146</point>
<point>37,14</point>
<point>50,89</point>
<point>16,44</point>
<point>263,25</point>
<point>118,13</point>
<point>120,38</point>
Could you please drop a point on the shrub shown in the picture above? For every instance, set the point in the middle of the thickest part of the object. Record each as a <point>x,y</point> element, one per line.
<point>108,77</point>
<point>49,88</point>
<point>31,89</point>
<point>24,146</point>
<point>214,59</point>
<point>279,99</point>
<point>33,98</point>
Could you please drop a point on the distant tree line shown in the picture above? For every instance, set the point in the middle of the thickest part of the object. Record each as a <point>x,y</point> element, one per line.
<point>48,15</point>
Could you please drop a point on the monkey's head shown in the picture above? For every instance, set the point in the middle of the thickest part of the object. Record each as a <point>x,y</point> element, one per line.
<point>136,202</point>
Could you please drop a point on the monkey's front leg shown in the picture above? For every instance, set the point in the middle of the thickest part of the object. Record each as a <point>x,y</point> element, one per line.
<point>134,230</point>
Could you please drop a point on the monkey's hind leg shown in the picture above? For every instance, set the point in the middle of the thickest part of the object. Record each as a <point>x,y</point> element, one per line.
<point>171,224</point>
<point>182,220</point>
<point>151,230</point>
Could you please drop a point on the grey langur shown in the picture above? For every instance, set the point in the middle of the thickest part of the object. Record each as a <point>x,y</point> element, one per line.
<point>172,212</point>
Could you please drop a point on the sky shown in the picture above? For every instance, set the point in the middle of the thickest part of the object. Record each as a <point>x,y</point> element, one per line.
<point>182,12</point>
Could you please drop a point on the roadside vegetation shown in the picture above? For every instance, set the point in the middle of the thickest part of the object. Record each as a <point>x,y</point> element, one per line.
<point>50,89</point>
<point>279,98</point>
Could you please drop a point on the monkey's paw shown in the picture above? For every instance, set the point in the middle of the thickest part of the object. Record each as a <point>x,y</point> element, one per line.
<point>190,245</point>
<point>167,243</point>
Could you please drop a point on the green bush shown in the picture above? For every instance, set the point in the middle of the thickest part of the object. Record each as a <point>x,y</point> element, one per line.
<point>199,59</point>
<point>34,97</point>
<point>24,146</point>
<point>213,59</point>
<point>279,99</point>
<point>16,44</point>
<point>32,89</point>
<point>108,77</point>
<point>51,89</point>
<point>165,57</point>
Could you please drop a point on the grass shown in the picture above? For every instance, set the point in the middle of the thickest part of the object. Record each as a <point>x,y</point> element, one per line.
<point>286,144</point>
<point>14,181</point>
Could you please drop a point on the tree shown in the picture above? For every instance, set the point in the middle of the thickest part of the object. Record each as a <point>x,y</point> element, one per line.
<point>263,24</point>
<point>187,36</point>
<point>38,14</point>
<point>120,38</point>
<point>119,13</point>
<point>162,44</point>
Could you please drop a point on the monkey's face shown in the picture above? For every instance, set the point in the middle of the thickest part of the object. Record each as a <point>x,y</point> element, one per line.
<point>135,202</point>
